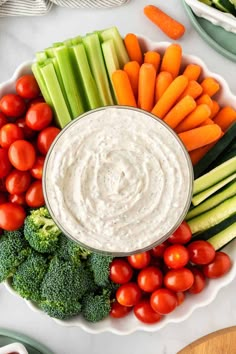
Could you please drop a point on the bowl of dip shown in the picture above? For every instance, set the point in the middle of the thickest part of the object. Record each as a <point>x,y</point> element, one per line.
<point>117,180</point>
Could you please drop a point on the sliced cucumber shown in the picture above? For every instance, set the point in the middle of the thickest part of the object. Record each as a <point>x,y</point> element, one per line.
<point>225,5</point>
<point>224,237</point>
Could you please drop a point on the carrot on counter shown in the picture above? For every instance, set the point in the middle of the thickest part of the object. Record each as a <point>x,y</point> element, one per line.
<point>208,121</point>
<point>201,136</point>
<point>215,109</point>
<point>205,99</point>
<point>225,117</point>
<point>132,70</point>
<point>170,96</point>
<point>181,110</point>
<point>133,48</point>
<point>163,80</point>
<point>171,27</point>
<point>123,88</point>
<point>146,86</point>
<point>210,86</point>
<point>194,119</point>
<point>153,58</point>
<point>192,71</point>
<point>171,60</point>
<point>194,89</point>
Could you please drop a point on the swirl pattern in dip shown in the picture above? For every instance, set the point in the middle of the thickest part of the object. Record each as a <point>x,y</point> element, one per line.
<point>117,180</point>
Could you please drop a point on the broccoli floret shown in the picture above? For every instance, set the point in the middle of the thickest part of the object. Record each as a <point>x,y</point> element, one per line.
<point>61,310</point>
<point>96,307</point>
<point>13,251</point>
<point>29,275</point>
<point>41,231</point>
<point>71,251</point>
<point>100,266</point>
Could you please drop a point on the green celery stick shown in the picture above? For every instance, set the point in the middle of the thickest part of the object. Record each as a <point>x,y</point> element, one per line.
<point>68,42</point>
<point>50,52</point>
<point>42,85</point>
<point>76,40</point>
<point>41,56</point>
<point>58,44</point>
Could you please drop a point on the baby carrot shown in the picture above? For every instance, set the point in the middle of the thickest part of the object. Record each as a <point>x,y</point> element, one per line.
<point>210,86</point>
<point>206,99</point>
<point>123,89</point>
<point>192,71</point>
<point>181,110</point>
<point>197,154</point>
<point>164,22</point>
<point>194,89</point>
<point>153,58</point>
<point>194,119</point>
<point>215,109</point>
<point>163,80</point>
<point>171,59</point>
<point>201,136</point>
<point>170,96</point>
<point>133,48</point>
<point>225,117</point>
<point>208,121</point>
<point>132,70</point>
<point>146,86</point>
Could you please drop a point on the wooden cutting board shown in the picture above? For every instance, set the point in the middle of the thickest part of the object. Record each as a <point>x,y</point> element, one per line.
<point>219,342</point>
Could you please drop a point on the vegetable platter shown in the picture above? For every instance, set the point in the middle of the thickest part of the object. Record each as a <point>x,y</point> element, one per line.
<point>205,276</point>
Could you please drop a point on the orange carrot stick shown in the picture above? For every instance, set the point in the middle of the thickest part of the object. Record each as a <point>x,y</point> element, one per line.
<point>225,117</point>
<point>132,70</point>
<point>123,89</point>
<point>215,109</point>
<point>208,121</point>
<point>201,136</point>
<point>210,86</point>
<point>146,86</point>
<point>153,58</point>
<point>170,96</point>
<point>205,99</point>
<point>197,154</point>
<point>194,119</point>
<point>133,48</point>
<point>164,22</point>
<point>181,110</point>
<point>171,59</point>
<point>163,80</point>
<point>192,71</point>
<point>194,89</point>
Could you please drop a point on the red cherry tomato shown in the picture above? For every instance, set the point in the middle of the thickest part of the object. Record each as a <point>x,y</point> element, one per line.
<point>150,279</point>
<point>3,120</point>
<point>218,267</point>
<point>27,87</point>
<point>3,180</point>
<point>199,281</point>
<point>17,199</point>
<point>28,133</point>
<point>182,235</point>
<point>179,279</point>
<point>18,182</point>
<point>180,297</point>
<point>176,256</point>
<point>5,165</point>
<point>201,252</point>
<point>145,313</point>
<point>39,116</point>
<point>163,301</point>
<point>34,195</point>
<point>158,251</point>
<point>139,260</point>
<point>128,294</point>
<point>12,105</point>
<point>10,133</point>
<point>120,271</point>
<point>118,311</point>
<point>37,170</point>
<point>12,216</point>
<point>45,139</point>
<point>3,197</point>
<point>22,155</point>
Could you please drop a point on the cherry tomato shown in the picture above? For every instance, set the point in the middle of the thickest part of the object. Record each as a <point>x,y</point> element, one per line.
<point>218,267</point>
<point>3,120</point>
<point>139,260</point>
<point>18,181</point>
<point>39,99</point>
<point>5,165</point>
<point>28,133</point>
<point>150,279</point>
<point>182,235</point>
<point>34,195</point>
<point>17,199</point>
<point>180,297</point>
<point>158,251</point>
<point>120,271</point>
<point>39,116</point>
<point>128,294</point>
<point>145,313</point>
<point>10,133</point>
<point>3,197</point>
<point>199,281</point>
<point>45,139</point>
<point>37,170</point>
<point>163,301</point>
<point>12,105</point>
<point>22,155</point>
<point>27,86</point>
<point>201,252</point>
<point>3,180</point>
<point>118,311</point>
<point>176,256</point>
<point>179,279</point>
<point>12,216</point>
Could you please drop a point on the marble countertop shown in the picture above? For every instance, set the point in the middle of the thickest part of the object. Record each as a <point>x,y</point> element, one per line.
<point>20,38</point>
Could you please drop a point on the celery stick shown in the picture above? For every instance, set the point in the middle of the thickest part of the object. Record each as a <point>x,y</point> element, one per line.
<point>50,52</point>
<point>58,44</point>
<point>60,108</point>
<point>68,42</point>
<point>42,85</point>
<point>41,57</point>
<point>113,33</point>
<point>76,40</point>
<point>89,84</point>
<point>97,65</point>
<point>72,92</point>
<point>111,60</point>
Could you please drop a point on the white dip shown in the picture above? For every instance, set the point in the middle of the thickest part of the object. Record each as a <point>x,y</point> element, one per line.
<point>117,180</point>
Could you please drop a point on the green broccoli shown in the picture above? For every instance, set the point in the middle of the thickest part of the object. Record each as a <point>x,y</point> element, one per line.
<point>41,231</point>
<point>100,266</point>
<point>71,251</point>
<point>96,307</point>
<point>61,310</point>
<point>13,251</point>
<point>29,275</point>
